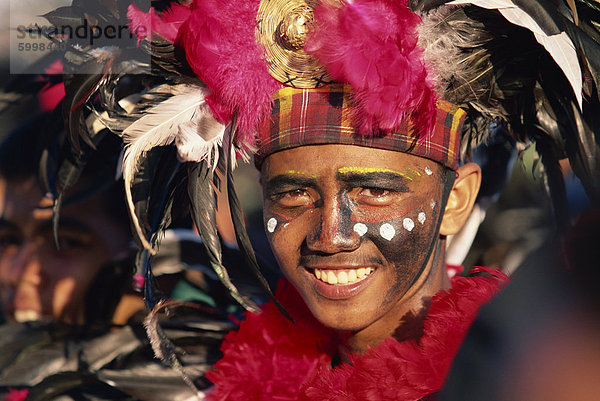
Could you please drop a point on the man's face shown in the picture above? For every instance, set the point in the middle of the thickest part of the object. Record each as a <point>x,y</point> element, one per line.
<point>351,227</point>
<point>36,279</point>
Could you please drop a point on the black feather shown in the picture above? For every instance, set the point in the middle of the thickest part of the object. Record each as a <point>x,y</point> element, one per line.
<point>157,185</point>
<point>69,16</point>
<point>204,204</point>
<point>54,386</point>
<point>554,180</point>
<point>78,91</point>
<point>67,176</point>
<point>237,215</point>
<point>583,149</point>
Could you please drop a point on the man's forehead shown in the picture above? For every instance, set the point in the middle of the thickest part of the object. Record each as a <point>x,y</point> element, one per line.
<point>22,201</point>
<point>21,196</point>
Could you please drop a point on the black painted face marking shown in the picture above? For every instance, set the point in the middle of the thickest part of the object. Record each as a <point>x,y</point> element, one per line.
<point>289,198</point>
<point>336,218</point>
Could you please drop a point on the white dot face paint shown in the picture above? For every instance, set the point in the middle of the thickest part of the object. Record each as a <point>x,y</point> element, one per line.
<point>421,218</point>
<point>428,170</point>
<point>433,204</point>
<point>408,224</point>
<point>387,231</point>
<point>271,224</point>
<point>360,228</point>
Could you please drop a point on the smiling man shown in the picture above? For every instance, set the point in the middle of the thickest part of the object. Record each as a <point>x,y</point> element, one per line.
<point>356,134</point>
<point>358,226</point>
<point>357,231</point>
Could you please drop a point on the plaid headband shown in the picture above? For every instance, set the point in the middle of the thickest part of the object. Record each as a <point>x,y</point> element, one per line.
<point>323,115</point>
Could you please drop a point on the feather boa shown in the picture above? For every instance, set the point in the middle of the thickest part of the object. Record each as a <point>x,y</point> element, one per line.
<point>272,358</point>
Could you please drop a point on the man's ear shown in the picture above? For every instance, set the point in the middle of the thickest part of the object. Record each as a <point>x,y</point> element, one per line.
<point>461,199</point>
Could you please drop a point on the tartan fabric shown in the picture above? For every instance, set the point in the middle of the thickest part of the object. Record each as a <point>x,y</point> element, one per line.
<point>324,116</point>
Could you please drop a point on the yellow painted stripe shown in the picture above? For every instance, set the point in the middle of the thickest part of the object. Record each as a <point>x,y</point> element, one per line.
<point>297,172</point>
<point>346,170</point>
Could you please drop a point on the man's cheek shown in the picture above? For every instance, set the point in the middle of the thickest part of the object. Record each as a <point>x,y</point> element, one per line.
<point>398,237</point>
<point>274,222</point>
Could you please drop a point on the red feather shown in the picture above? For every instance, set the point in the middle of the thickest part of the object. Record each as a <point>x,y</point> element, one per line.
<point>272,358</point>
<point>271,349</point>
<point>16,395</point>
<point>220,46</point>
<point>372,45</point>
<point>166,25</point>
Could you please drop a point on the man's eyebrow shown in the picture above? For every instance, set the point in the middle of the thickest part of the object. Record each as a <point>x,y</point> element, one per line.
<point>387,179</point>
<point>301,173</point>
<point>371,170</point>
<point>283,180</point>
<point>68,223</point>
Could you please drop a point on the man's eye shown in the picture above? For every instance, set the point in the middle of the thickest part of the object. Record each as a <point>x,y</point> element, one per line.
<point>374,192</point>
<point>294,198</point>
<point>374,196</point>
<point>69,242</point>
<point>66,242</point>
<point>9,239</point>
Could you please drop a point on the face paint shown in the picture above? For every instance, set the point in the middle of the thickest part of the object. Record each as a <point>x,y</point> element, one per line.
<point>366,170</point>
<point>351,210</point>
<point>387,231</point>
<point>271,224</point>
<point>360,228</point>
<point>421,217</point>
<point>298,172</point>
<point>413,172</point>
<point>289,202</point>
<point>428,170</point>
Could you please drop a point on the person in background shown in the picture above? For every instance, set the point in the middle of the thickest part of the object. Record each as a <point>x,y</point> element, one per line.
<point>44,279</point>
<point>538,339</point>
<point>73,320</point>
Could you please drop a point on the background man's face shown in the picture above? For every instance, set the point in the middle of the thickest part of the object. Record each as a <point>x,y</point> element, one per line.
<point>351,227</point>
<point>36,279</point>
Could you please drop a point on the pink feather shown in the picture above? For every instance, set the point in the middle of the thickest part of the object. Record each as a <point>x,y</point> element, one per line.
<point>166,24</point>
<point>16,395</point>
<point>372,45</point>
<point>221,48</point>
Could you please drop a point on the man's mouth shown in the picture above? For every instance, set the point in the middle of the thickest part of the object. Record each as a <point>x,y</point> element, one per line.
<point>342,276</point>
<point>27,315</point>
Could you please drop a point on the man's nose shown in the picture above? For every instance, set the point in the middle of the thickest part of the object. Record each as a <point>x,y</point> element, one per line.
<point>24,266</point>
<point>333,232</point>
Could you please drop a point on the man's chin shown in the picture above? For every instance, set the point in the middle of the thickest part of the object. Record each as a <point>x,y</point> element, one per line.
<point>340,317</point>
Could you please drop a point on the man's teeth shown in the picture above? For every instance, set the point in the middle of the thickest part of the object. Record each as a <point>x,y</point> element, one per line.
<point>346,276</point>
<point>26,315</point>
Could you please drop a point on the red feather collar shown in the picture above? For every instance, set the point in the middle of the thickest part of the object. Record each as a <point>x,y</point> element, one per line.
<point>271,358</point>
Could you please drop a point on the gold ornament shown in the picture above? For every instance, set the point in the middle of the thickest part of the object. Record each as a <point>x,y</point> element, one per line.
<point>282,28</point>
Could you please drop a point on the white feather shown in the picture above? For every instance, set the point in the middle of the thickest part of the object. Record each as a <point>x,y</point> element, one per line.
<point>160,126</point>
<point>193,147</point>
<point>560,47</point>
